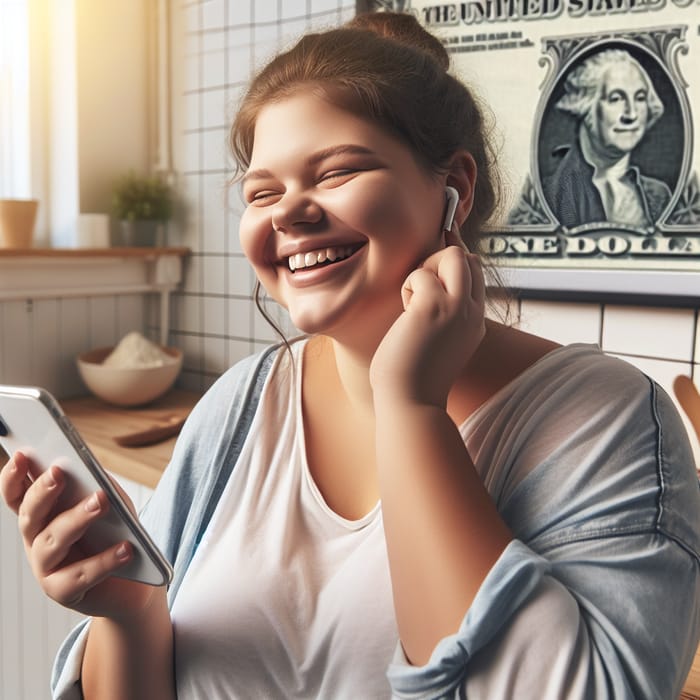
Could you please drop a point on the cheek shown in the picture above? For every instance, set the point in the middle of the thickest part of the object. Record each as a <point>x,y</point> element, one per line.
<point>608,116</point>
<point>643,112</point>
<point>386,215</point>
<point>252,234</point>
<point>367,209</point>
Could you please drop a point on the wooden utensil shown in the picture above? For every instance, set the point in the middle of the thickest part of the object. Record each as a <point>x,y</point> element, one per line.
<point>687,394</point>
<point>152,435</point>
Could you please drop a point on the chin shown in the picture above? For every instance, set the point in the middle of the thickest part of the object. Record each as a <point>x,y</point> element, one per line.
<point>344,324</point>
<point>313,321</point>
<point>625,144</point>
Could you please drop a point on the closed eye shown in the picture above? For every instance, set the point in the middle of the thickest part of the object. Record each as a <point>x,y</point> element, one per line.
<point>336,173</point>
<point>264,197</point>
<point>338,177</point>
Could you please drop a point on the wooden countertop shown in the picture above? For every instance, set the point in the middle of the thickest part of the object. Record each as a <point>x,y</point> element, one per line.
<point>98,423</point>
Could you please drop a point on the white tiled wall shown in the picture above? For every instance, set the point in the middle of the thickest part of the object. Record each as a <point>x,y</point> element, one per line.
<point>40,339</point>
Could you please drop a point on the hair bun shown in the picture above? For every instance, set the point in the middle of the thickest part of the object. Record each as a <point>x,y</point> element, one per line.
<point>404,28</point>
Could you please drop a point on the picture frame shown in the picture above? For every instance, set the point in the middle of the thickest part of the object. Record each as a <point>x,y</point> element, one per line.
<point>594,106</point>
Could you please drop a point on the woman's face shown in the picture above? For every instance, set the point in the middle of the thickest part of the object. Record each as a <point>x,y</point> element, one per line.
<point>338,213</point>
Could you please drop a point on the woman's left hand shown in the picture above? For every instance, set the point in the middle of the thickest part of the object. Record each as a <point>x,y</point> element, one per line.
<point>439,330</point>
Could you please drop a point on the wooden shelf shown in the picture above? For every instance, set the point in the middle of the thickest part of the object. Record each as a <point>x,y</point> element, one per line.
<point>99,423</point>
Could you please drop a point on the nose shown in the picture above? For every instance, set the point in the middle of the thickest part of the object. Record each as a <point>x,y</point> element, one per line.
<point>629,116</point>
<point>295,210</point>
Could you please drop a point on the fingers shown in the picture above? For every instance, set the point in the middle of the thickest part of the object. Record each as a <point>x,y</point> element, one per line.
<point>38,501</point>
<point>455,271</point>
<point>51,546</point>
<point>478,281</point>
<point>449,283</point>
<point>14,480</point>
<point>422,289</point>
<point>65,574</point>
<point>70,584</point>
<point>50,534</point>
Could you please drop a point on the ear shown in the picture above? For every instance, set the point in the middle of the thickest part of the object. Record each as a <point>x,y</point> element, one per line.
<point>462,176</point>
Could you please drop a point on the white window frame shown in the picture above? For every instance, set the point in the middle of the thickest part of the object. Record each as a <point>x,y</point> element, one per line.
<point>15,171</point>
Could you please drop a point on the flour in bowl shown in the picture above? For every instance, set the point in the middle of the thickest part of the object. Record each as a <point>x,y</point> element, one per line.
<point>134,351</point>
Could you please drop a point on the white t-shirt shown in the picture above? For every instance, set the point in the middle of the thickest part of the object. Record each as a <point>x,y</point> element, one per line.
<point>284,598</point>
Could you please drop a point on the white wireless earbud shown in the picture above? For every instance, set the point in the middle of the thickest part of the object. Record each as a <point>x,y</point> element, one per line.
<point>452,197</point>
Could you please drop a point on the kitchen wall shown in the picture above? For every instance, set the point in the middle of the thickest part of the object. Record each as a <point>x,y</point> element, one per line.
<point>39,339</point>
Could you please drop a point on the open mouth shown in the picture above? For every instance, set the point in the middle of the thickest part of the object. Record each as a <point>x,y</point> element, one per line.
<point>323,257</point>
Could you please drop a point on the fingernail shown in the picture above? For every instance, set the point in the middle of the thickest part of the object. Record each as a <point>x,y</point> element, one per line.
<point>50,479</point>
<point>92,504</point>
<point>122,552</point>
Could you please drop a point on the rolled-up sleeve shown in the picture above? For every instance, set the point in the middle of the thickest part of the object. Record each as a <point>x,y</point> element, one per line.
<point>599,594</point>
<point>604,623</point>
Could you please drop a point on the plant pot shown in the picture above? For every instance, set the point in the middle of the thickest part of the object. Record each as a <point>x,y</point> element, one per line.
<point>142,232</point>
<point>17,220</point>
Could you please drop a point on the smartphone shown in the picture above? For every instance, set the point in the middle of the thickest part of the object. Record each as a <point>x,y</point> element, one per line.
<point>32,421</point>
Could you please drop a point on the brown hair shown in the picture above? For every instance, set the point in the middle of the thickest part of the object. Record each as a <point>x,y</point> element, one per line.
<point>388,69</point>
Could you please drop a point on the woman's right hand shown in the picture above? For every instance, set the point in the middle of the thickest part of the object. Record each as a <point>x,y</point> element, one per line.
<point>52,545</point>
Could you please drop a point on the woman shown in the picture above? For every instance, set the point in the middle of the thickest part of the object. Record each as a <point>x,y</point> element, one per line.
<point>411,500</point>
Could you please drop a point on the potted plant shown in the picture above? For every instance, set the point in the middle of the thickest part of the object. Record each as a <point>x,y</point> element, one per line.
<point>143,204</point>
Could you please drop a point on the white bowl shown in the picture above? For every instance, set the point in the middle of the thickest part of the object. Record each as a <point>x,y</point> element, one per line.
<point>128,387</point>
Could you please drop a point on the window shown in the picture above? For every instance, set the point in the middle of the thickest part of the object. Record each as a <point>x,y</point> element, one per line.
<point>15,175</point>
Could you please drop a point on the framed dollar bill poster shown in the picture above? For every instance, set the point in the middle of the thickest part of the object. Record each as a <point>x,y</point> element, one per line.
<point>595,104</point>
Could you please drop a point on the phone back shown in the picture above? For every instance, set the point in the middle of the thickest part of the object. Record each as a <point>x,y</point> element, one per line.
<point>32,422</point>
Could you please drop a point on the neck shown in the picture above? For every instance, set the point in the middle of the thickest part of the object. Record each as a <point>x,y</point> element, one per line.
<point>348,351</point>
<point>352,363</point>
<point>349,364</point>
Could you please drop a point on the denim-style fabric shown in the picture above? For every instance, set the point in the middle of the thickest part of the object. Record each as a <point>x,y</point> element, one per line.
<point>591,468</point>
<point>589,464</point>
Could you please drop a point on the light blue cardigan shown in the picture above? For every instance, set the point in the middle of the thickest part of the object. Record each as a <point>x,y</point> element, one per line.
<point>189,489</point>
<point>643,514</point>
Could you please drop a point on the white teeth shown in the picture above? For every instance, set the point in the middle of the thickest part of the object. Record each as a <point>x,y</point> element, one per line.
<point>315,257</point>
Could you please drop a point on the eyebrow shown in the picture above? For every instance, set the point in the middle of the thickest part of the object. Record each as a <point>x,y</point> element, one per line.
<point>314,159</point>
